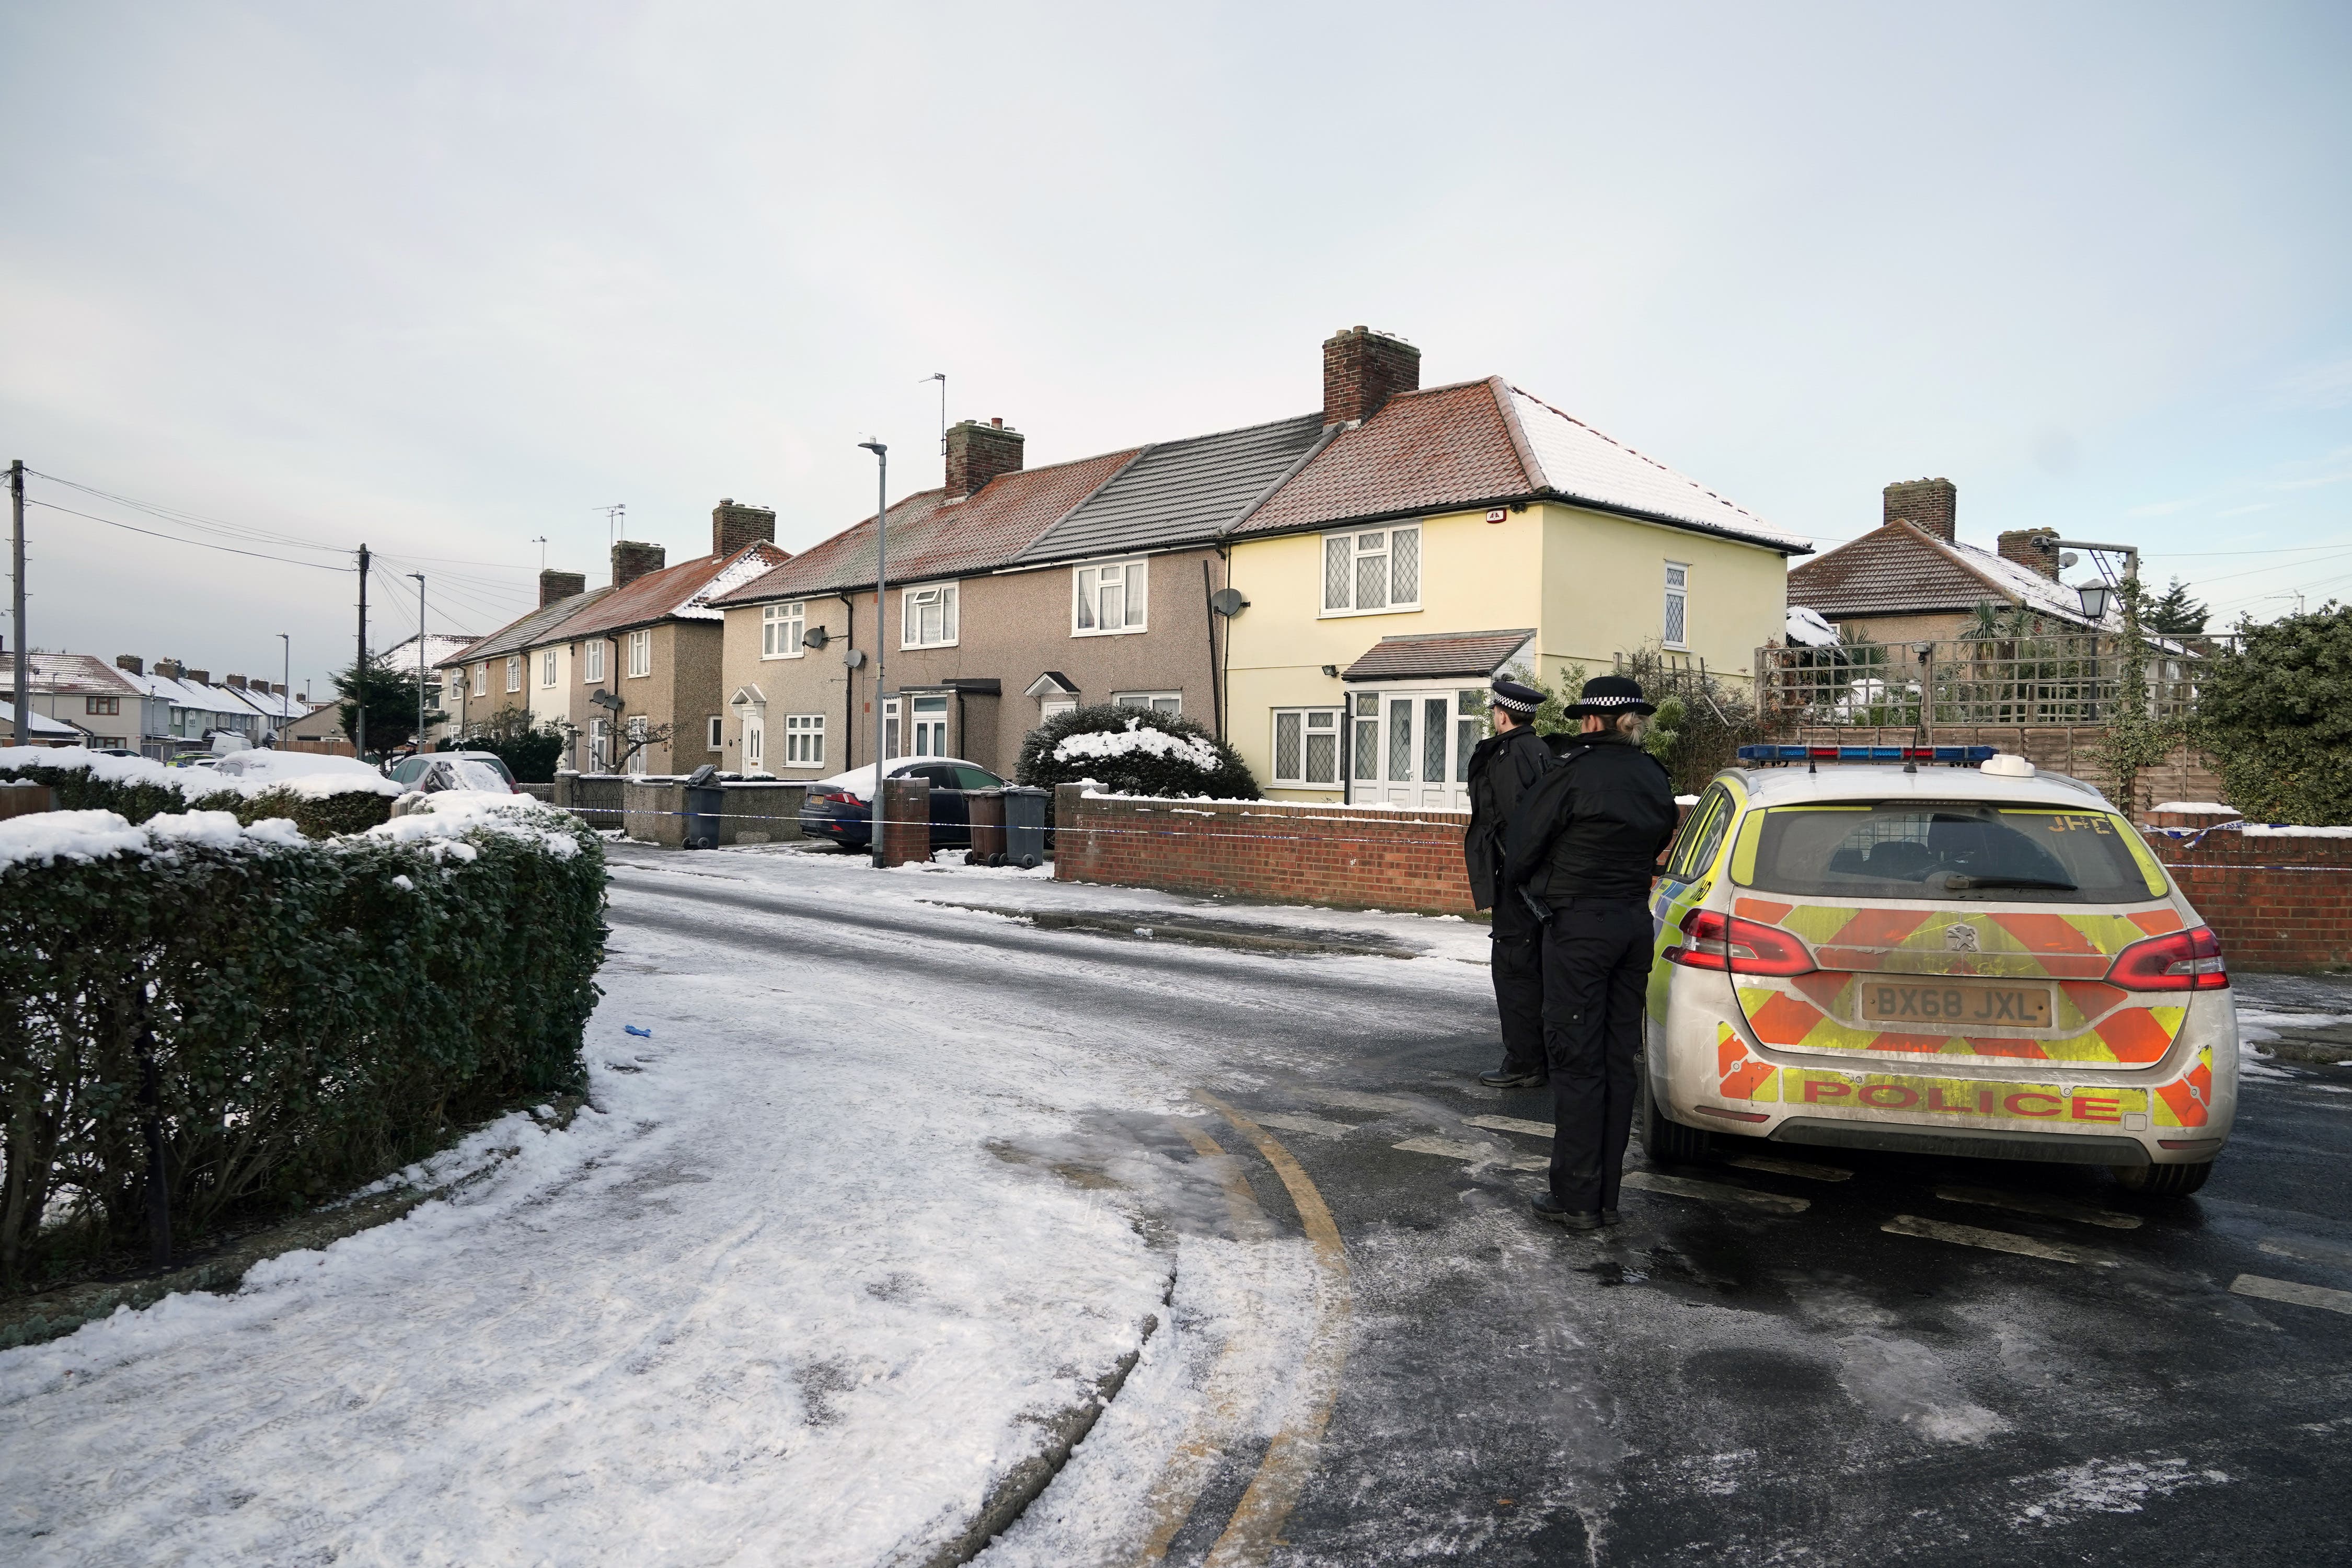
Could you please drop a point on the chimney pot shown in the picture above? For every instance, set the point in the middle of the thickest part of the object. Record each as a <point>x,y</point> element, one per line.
<point>1362,370</point>
<point>997,422</point>
<point>554,586</point>
<point>1931,506</point>
<point>633,558</point>
<point>978,452</point>
<point>131,662</point>
<point>732,526</point>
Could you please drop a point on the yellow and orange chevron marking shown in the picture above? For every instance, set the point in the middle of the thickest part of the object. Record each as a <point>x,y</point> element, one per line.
<point>2188,1102</point>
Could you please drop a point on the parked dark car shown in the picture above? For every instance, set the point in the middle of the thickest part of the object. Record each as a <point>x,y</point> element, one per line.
<point>840,810</point>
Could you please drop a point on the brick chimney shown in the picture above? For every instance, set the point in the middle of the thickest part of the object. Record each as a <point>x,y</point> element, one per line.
<point>554,586</point>
<point>234,682</point>
<point>977,453</point>
<point>2033,548</point>
<point>732,526</point>
<point>200,677</point>
<point>131,662</point>
<point>276,689</point>
<point>1931,506</point>
<point>169,669</point>
<point>633,558</point>
<point>1362,370</point>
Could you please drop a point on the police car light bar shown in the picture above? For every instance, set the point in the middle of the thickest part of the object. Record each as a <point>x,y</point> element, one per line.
<point>1959,756</point>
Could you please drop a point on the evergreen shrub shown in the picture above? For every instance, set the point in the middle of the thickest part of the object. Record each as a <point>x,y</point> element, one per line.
<point>136,800</point>
<point>1133,751</point>
<point>295,1019</point>
<point>2276,714</point>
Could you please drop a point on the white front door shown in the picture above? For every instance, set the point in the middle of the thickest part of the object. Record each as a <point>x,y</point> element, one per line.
<point>1412,746</point>
<point>931,727</point>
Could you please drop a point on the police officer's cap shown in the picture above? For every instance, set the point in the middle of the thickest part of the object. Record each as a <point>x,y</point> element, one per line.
<point>1516,698</point>
<point>1606,696</point>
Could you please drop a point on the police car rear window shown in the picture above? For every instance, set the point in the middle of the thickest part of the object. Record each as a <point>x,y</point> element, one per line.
<point>1950,853</point>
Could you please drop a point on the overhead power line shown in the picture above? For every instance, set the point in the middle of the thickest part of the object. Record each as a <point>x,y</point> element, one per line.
<point>177,539</point>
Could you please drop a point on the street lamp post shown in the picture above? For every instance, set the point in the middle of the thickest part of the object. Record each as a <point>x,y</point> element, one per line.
<point>881,636</point>
<point>285,691</point>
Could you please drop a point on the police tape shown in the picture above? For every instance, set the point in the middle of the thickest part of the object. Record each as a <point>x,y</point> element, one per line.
<point>594,813</point>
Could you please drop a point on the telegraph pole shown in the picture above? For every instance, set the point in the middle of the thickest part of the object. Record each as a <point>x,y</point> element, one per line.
<point>22,725</point>
<point>420,661</point>
<point>358,670</point>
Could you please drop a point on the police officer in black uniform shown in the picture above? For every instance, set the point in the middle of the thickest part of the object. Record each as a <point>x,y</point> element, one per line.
<point>1580,848</point>
<point>1501,768</point>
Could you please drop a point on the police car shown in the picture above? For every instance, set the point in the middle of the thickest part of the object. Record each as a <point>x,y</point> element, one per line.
<point>1956,955</point>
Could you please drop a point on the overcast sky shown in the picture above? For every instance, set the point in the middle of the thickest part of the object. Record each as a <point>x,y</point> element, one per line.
<point>448,278</point>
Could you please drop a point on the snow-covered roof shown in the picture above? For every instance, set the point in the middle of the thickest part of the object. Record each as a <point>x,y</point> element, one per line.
<point>1583,464</point>
<point>2030,587</point>
<point>748,566</point>
<point>400,656</point>
<point>42,724</point>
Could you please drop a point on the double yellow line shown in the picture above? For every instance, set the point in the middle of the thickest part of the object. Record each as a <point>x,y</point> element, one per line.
<point>1254,1527</point>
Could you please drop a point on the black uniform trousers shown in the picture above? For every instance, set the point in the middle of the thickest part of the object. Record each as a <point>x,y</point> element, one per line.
<point>1518,969</point>
<point>1596,968</point>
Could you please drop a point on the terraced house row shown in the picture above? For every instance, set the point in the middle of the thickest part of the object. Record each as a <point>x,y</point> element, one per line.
<point>1388,553</point>
<point>1331,592</point>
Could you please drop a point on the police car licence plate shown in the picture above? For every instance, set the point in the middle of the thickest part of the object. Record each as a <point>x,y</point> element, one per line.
<point>1952,1003</point>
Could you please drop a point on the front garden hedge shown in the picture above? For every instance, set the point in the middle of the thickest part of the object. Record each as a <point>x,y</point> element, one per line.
<point>289,1019</point>
<point>1134,751</point>
<point>136,789</point>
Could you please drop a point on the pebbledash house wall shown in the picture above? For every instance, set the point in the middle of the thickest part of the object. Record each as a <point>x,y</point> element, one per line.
<point>2278,898</point>
<point>1011,626</point>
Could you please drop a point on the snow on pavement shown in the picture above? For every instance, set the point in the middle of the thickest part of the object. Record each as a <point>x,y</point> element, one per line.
<point>792,1292</point>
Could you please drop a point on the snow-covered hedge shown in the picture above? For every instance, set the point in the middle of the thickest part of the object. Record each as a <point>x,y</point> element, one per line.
<point>293,1018</point>
<point>1133,751</point>
<point>336,796</point>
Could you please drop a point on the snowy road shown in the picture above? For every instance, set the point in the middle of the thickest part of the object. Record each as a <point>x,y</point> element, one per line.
<point>894,1183</point>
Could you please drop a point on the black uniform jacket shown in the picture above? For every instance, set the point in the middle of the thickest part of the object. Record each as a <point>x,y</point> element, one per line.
<point>1501,769</point>
<point>1592,828</point>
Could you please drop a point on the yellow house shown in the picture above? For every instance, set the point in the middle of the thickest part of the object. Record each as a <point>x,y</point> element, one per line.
<point>1442,536</point>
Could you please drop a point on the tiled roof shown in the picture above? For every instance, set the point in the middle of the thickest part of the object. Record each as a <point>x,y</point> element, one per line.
<point>83,672</point>
<point>672,592</point>
<point>1439,653</point>
<point>1181,492</point>
<point>931,536</point>
<point>521,633</point>
<point>1486,442</point>
<point>1444,446</point>
<point>1901,570</point>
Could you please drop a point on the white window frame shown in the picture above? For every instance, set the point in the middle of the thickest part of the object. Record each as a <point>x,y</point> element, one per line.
<point>1677,607</point>
<point>592,662</point>
<point>1052,707</point>
<point>1348,550</point>
<point>1306,722</point>
<point>482,681</point>
<point>1158,701</point>
<point>514,672</point>
<point>717,727</point>
<point>546,667</point>
<point>915,597</point>
<point>641,654</point>
<point>600,745</point>
<point>775,640</point>
<point>638,727</point>
<point>926,726</point>
<point>1091,584</point>
<point>804,739</point>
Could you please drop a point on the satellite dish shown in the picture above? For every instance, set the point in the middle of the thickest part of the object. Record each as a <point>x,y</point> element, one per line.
<point>1228,601</point>
<point>815,638</point>
<point>853,657</point>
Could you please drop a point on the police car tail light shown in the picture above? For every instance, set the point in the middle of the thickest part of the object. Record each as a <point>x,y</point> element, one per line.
<point>2183,961</point>
<point>1712,940</point>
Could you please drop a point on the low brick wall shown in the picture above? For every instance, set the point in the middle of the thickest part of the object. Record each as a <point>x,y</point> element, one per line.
<point>1346,856</point>
<point>761,811</point>
<point>2279,898</point>
<point>653,811</point>
<point>595,796</point>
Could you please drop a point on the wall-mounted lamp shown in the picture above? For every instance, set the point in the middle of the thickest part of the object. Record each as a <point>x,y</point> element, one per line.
<point>2096,597</point>
<point>1331,671</point>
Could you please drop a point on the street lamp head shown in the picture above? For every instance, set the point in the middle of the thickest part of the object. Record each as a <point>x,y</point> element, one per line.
<point>876,448</point>
<point>2096,598</point>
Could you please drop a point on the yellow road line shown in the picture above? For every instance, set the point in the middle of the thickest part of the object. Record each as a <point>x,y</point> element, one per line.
<point>1255,1527</point>
<point>1189,1466</point>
